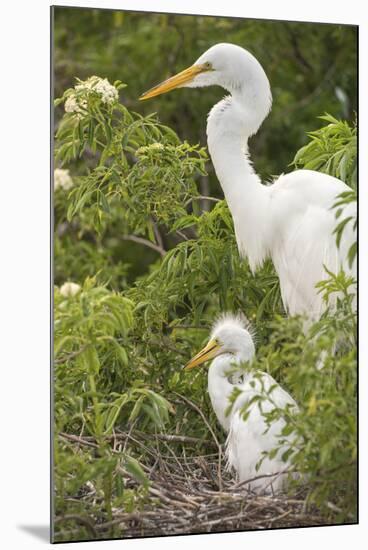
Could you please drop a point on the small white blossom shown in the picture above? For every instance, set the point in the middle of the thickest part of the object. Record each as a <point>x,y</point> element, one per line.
<point>141,151</point>
<point>62,179</point>
<point>156,146</point>
<point>147,148</point>
<point>109,94</point>
<point>69,289</point>
<point>76,102</point>
<point>72,105</point>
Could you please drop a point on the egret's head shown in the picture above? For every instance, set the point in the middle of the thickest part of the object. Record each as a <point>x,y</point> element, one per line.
<point>230,334</point>
<point>225,65</point>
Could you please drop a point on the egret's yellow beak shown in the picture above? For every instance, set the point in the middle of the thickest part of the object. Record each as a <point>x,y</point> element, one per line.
<point>207,353</point>
<point>175,81</point>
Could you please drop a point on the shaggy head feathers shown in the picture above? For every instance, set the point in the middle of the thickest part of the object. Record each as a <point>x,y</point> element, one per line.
<point>234,335</point>
<point>233,321</point>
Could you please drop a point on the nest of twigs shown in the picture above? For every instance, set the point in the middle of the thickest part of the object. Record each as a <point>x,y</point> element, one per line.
<point>188,499</point>
<point>186,494</point>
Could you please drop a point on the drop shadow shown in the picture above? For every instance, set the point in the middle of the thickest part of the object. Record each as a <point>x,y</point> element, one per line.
<point>41,532</point>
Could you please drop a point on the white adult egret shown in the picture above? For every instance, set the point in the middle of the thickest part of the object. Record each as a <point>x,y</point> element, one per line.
<point>291,220</point>
<point>231,345</point>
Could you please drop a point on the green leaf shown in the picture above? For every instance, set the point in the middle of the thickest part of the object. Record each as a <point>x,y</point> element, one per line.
<point>340,228</point>
<point>352,253</point>
<point>286,454</point>
<point>113,412</point>
<point>132,466</point>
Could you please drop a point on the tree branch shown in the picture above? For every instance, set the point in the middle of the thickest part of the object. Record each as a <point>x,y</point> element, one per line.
<point>145,242</point>
<point>202,197</point>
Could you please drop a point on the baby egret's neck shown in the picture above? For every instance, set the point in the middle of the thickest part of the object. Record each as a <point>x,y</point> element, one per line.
<point>219,385</point>
<point>230,124</point>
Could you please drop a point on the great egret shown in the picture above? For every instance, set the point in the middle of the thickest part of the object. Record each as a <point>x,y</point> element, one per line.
<point>292,220</point>
<point>231,345</point>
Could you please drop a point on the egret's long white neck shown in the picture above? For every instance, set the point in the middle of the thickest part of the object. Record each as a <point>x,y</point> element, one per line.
<point>219,385</point>
<point>230,124</point>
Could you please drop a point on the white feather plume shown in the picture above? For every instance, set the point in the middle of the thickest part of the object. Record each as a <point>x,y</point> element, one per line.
<point>233,320</point>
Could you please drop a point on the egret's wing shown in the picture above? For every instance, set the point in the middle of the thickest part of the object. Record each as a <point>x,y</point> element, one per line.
<point>251,436</point>
<point>304,240</point>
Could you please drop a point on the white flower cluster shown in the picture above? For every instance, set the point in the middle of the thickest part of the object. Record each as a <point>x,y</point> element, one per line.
<point>77,101</point>
<point>62,179</point>
<point>73,106</point>
<point>102,86</point>
<point>69,289</point>
<point>149,148</point>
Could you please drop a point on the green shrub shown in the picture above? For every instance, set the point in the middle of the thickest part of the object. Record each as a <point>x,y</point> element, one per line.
<point>123,335</point>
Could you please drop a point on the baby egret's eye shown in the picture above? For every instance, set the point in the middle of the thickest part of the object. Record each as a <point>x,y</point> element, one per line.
<point>207,66</point>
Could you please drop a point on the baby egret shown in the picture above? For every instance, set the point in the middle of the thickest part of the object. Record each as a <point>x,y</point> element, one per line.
<point>250,436</point>
<point>292,220</point>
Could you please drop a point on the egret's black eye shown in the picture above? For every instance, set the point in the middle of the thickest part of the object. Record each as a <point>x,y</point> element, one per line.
<point>208,66</point>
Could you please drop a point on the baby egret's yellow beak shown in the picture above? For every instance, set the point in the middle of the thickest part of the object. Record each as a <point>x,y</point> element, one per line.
<point>208,352</point>
<point>175,81</point>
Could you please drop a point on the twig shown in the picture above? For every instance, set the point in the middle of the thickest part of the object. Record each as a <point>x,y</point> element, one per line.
<point>281,516</point>
<point>80,519</point>
<point>71,355</point>
<point>263,476</point>
<point>165,498</point>
<point>182,235</point>
<point>201,197</point>
<point>128,435</point>
<point>179,438</point>
<point>203,327</point>
<point>144,242</point>
<point>167,344</point>
<point>196,408</point>
<point>157,233</point>
<point>172,438</point>
<point>78,439</point>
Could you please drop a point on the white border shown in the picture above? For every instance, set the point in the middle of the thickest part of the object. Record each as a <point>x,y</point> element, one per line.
<point>24,268</point>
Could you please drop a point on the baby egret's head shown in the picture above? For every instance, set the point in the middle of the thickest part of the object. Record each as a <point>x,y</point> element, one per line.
<point>230,334</point>
<point>226,65</point>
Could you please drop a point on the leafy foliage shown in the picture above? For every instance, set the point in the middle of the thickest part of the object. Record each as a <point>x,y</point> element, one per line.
<point>297,57</point>
<point>332,150</point>
<point>156,261</point>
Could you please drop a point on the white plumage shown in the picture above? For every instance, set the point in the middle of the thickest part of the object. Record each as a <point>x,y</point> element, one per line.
<point>231,345</point>
<point>292,220</point>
